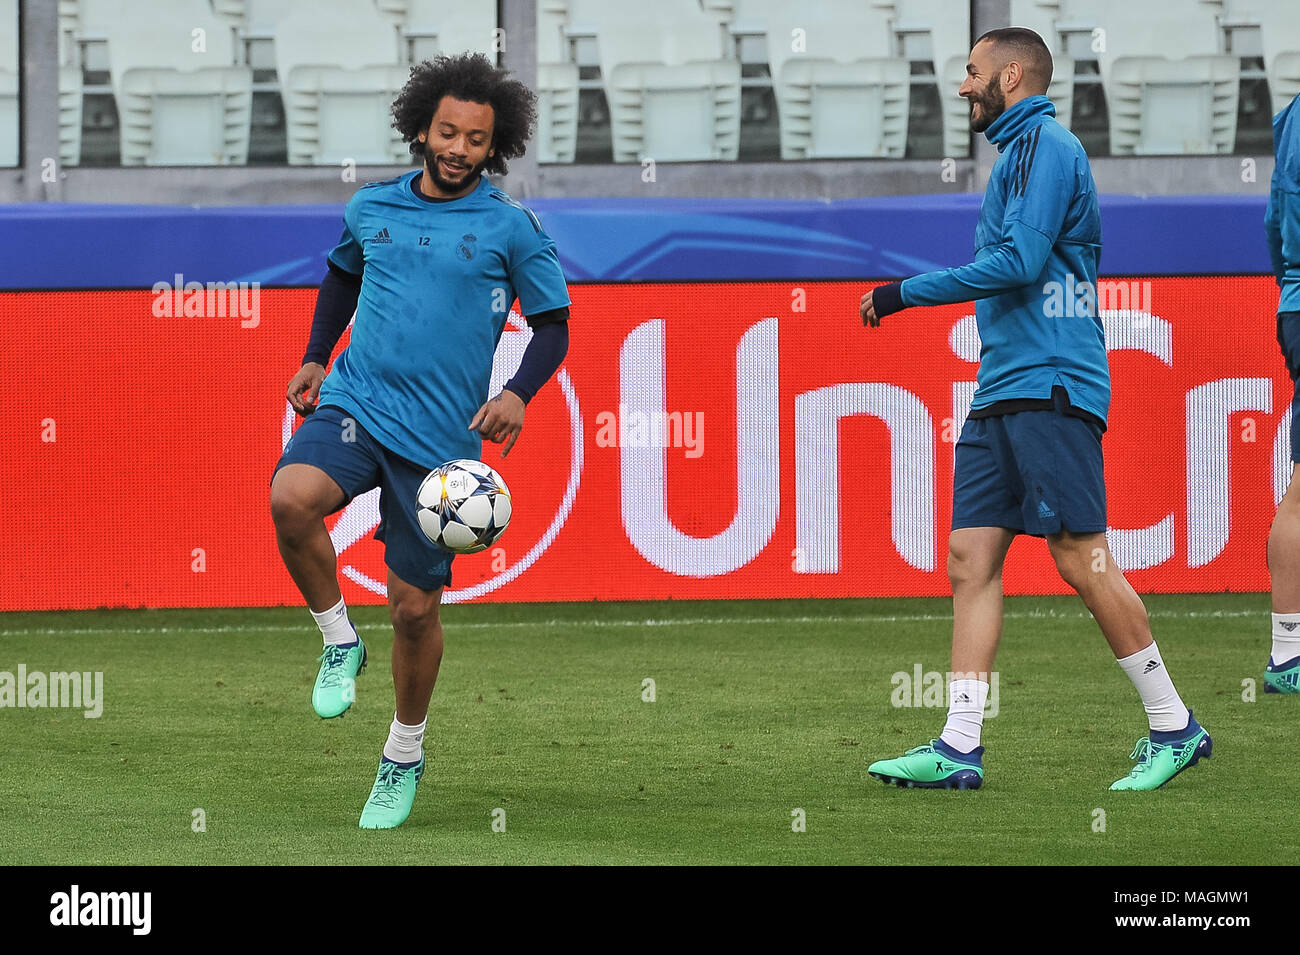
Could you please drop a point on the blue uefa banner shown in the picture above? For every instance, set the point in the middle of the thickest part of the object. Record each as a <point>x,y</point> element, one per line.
<point>68,246</point>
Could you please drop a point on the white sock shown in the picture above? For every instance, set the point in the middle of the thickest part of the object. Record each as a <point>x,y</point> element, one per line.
<point>966,699</point>
<point>1166,712</point>
<point>335,626</point>
<point>1286,637</point>
<point>404,741</point>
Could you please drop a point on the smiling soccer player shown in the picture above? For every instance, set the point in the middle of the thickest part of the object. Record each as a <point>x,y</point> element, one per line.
<point>430,262</point>
<point>1029,456</point>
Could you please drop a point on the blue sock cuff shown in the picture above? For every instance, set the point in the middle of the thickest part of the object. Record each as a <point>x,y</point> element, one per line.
<point>957,754</point>
<point>1176,736</point>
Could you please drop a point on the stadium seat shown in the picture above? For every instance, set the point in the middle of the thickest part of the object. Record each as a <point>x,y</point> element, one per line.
<point>9,121</point>
<point>70,100</point>
<point>1284,80</point>
<point>178,105</point>
<point>839,110</point>
<point>1173,107</point>
<point>340,70</point>
<point>236,11</point>
<point>1165,90</point>
<point>840,91</point>
<point>262,16</point>
<point>1039,16</point>
<point>1279,31</point>
<point>1171,29</point>
<point>946,25</point>
<point>70,85</point>
<point>440,26</point>
<point>673,96</point>
<point>557,112</point>
<point>552,15</point>
<point>557,86</point>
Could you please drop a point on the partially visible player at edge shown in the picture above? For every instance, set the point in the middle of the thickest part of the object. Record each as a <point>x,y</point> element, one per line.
<point>430,262</point>
<point>1282,223</point>
<point>1029,460</point>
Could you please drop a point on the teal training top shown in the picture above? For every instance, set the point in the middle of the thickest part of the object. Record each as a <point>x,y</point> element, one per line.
<point>1282,221</point>
<point>438,280</point>
<point>1037,246</point>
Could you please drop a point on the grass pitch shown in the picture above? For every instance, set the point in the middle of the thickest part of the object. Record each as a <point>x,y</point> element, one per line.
<point>760,709</point>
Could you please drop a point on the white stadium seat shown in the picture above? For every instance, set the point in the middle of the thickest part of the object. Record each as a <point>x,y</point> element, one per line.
<point>839,89</point>
<point>557,86</point>
<point>455,26</point>
<point>180,98</point>
<point>433,27</point>
<point>673,95</point>
<point>236,11</point>
<point>70,99</point>
<point>1279,31</point>
<point>340,69</point>
<point>1039,16</point>
<point>946,24</point>
<point>9,130</point>
<point>557,112</point>
<point>1172,107</point>
<point>552,17</point>
<point>70,84</point>
<point>1167,88</point>
<point>1284,80</point>
<point>262,16</point>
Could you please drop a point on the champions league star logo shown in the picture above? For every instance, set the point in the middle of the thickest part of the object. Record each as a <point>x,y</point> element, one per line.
<point>360,518</point>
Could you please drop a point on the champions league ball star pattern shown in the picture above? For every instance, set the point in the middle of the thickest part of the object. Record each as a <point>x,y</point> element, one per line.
<point>463,506</point>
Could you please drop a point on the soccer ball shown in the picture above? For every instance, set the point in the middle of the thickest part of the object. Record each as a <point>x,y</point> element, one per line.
<point>463,506</point>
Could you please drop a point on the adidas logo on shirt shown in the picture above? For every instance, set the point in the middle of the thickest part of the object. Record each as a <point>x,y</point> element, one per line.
<point>382,236</point>
<point>1151,665</point>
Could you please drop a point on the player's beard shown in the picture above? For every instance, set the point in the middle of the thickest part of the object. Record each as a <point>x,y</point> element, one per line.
<point>992,103</point>
<point>441,181</point>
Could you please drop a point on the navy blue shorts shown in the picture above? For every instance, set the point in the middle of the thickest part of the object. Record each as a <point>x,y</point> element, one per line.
<point>361,464</point>
<point>1288,336</point>
<point>1035,472</point>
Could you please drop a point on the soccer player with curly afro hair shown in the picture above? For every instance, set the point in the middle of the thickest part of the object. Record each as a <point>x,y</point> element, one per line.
<point>429,262</point>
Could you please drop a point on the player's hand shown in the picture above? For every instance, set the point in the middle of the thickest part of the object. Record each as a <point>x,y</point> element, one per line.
<point>304,388</point>
<point>500,419</point>
<point>867,309</point>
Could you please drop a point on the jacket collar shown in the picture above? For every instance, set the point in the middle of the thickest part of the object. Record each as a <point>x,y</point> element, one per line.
<point>1026,114</point>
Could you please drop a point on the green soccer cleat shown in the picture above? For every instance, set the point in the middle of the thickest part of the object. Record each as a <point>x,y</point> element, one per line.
<point>933,766</point>
<point>335,688</point>
<point>393,794</point>
<point>1162,756</point>
<point>1282,677</point>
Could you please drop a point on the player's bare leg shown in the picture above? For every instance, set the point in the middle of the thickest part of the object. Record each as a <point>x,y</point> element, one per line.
<point>1085,563</point>
<point>417,646</point>
<point>953,761</point>
<point>1284,549</point>
<point>1176,740</point>
<point>301,496</point>
<point>417,653</point>
<point>975,559</point>
<point>1283,672</point>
